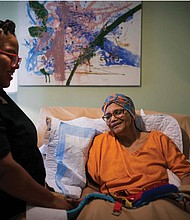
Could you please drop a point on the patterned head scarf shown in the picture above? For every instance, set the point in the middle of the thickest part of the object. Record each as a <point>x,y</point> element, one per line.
<point>122,100</point>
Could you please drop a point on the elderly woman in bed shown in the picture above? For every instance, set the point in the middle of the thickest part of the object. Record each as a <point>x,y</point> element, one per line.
<point>126,161</point>
<point>22,173</point>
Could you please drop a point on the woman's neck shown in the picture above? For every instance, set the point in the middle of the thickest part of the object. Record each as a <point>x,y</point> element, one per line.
<point>129,137</point>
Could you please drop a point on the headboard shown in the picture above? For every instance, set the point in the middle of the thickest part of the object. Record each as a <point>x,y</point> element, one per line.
<point>69,113</point>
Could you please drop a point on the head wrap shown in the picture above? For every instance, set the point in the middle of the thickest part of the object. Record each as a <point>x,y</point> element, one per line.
<point>122,100</point>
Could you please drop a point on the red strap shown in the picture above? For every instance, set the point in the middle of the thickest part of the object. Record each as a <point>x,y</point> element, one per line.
<point>134,197</point>
<point>117,208</point>
<point>138,196</point>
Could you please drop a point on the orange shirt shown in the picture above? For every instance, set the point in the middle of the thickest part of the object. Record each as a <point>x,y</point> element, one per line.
<point>114,168</point>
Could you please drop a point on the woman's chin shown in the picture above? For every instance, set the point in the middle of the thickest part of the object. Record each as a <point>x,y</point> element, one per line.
<point>7,85</point>
<point>117,130</point>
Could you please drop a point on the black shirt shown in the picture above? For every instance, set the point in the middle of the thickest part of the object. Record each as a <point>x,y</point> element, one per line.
<point>18,135</point>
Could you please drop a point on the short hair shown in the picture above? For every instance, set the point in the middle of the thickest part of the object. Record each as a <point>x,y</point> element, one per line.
<point>7,27</point>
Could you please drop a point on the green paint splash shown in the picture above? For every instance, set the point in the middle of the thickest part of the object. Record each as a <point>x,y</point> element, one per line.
<point>89,52</point>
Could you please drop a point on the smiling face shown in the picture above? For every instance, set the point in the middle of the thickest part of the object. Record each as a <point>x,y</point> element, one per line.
<point>119,125</point>
<point>8,43</point>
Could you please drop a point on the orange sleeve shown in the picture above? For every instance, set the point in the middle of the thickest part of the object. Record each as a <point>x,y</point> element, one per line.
<point>175,160</point>
<point>94,158</point>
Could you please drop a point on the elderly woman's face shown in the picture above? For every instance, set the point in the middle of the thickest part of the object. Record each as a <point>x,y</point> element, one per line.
<point>9,44</point>
<point>119,119</point>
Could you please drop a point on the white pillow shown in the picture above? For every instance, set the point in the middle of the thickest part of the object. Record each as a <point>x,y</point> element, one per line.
<point>66,148</point>
<point>164,123</point>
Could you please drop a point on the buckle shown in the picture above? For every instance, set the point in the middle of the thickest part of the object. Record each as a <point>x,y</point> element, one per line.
<point>117,209</point>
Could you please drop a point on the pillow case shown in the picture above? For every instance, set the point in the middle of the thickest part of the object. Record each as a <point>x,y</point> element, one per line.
<point>164,123</point>
<point>66,147</point>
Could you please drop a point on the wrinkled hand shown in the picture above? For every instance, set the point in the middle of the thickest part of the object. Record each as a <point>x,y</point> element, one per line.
<point>74,202</point>
<point>66,203</point>
<point>185,189</point>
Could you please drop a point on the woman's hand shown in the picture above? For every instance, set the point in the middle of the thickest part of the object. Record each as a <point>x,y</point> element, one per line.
<point>62,202</point>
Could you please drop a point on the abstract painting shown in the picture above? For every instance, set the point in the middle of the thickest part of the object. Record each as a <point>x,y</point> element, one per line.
<point>80,43</point>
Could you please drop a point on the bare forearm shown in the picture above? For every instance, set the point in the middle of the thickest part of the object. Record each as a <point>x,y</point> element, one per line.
<point>17,182</point>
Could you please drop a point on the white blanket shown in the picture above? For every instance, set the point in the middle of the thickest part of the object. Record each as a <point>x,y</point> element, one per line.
<point>39,213</point>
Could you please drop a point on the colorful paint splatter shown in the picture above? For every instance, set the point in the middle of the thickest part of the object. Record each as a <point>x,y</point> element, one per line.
<point>82,43</point>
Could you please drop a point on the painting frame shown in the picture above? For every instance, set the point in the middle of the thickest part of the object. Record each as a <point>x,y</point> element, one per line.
<point>58,51</point>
